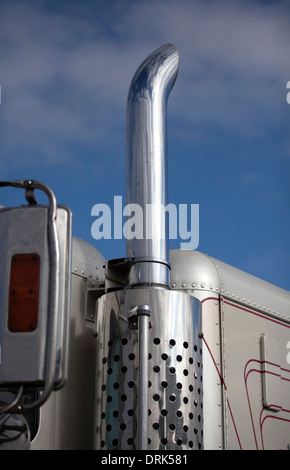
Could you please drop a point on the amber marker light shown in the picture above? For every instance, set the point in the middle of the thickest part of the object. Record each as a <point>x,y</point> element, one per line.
<point>24,292</point>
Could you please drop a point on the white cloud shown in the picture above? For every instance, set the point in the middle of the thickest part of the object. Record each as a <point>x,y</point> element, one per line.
<point>65,76</point>
<point>250,178</point>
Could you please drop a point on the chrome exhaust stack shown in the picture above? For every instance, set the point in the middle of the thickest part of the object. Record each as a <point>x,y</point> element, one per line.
<point>147,163</point>
<point>148,356</point>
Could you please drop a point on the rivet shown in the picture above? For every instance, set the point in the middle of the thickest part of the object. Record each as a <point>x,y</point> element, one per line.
<point>202,284</point>
<point>183,284</point>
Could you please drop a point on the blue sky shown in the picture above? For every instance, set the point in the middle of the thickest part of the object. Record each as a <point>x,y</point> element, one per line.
<point>65,70</point>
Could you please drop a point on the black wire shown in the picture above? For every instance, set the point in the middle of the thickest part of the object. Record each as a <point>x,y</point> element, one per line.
<point>13,403</point>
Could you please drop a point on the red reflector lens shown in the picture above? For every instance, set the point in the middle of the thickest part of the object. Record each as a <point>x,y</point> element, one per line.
<point>24,292</point>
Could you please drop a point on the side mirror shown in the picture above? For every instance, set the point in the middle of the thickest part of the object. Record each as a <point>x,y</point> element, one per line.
<point>35,246</point>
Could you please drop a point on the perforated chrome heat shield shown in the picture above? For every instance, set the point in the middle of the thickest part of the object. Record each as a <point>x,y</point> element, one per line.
<point>174,417</point>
